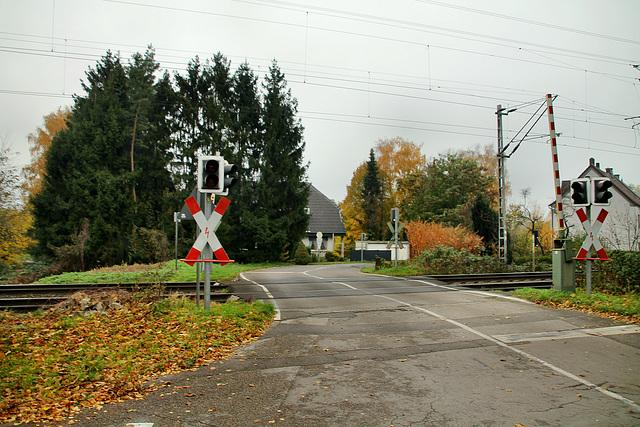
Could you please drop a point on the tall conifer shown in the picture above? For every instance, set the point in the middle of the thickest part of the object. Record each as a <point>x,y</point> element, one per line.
<point>280,219</point>
<point>90,178</point>
<point>372,199</point>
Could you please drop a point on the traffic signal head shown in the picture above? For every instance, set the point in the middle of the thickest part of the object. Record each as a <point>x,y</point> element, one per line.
<point>395,214</point>
<point>229,179</point>
<point>210,174</point>
<point>601,193</point>
<point>580,191</point>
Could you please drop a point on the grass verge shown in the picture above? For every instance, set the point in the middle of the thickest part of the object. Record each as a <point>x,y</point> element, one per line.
<point>153,273</point>
<point>619,307</point>
<point>52,365</point>
<point>403,270</point>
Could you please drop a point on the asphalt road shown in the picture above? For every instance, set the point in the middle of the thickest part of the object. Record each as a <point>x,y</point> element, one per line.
<point>358,350</point>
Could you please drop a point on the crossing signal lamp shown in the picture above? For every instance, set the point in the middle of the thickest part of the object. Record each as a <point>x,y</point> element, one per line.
<point>580,192</point>
<point>210,174</point>
<point>601,193</point>
<point>215,175</point>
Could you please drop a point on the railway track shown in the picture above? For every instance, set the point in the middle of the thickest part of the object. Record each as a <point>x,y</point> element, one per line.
<point>32,296</point>
<point>500,281</point>
<point>27,297</point>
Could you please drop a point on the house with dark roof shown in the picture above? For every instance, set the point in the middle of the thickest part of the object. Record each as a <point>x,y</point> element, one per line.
<point>325,224</point>
<point>621,228</point>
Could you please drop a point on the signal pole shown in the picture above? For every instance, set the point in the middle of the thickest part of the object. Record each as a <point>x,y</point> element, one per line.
<point>207,253</point>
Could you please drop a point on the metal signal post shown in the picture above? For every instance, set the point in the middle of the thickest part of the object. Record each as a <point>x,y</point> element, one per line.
<point>214,176</point>
<point>395,226</point>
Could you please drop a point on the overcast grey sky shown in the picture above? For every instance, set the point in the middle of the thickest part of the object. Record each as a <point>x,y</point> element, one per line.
<point>431,72</point>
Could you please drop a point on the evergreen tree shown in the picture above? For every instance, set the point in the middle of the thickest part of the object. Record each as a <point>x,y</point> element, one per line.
<point>203,117</point>
<point>245,137</point>
<point>485,220</point>
<point>150,141</point>
<point>372,200</point>
<point>128,160</point>
<point>104,171</point>
<point>190,136</point>
<point>279,220</point>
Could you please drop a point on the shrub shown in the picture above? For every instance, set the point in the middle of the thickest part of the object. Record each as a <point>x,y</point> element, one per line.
<point>423,236</point>
<point>621,274</point>
<point>448,260</point>
<point>302,256</point>
<point>332,256</point>
<point>148,246</point>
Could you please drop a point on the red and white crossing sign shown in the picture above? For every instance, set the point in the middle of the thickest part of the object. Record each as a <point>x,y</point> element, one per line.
<point>208,227</point>
<point>592,230</point>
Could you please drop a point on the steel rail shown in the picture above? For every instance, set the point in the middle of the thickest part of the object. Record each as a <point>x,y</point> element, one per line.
<point>22,297</point>
<point>33,303</point>
<point>39,288</point>
<point>493,277</point>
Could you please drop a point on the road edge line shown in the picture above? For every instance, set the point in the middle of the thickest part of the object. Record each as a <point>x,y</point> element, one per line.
<point>277,317</point>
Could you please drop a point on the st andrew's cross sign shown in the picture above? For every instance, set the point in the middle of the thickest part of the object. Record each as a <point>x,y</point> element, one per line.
<point>208,227</point>
<point>591,240</point>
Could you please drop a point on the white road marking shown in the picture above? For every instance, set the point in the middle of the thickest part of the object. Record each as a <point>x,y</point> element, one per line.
<point>269,295</point>
<point>522,353</point>
<point>580,333</point>
<point>467,291</point>
<point>561,371</point>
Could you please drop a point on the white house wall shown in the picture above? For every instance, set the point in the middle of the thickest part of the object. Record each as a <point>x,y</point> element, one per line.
<point>403,253</point>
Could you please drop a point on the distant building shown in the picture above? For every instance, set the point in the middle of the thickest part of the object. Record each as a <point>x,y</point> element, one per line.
<point>326,222</point>
<point>369,250</point>
<point>621,229</point>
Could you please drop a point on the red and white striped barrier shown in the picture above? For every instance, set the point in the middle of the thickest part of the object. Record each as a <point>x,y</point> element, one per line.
<point>208,227</point>
<point>556,167</point>
<point>592,230</point>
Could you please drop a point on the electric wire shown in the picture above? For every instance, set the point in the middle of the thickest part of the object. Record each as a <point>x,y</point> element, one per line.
<point>530,21</point>
<point>403,24</point>
<point>378,82</point>
<point>462,34</point>
<point>525,135</point>
<point>390,86</point>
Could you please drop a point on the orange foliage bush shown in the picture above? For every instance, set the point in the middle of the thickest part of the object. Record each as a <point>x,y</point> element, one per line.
<point>423,236</point>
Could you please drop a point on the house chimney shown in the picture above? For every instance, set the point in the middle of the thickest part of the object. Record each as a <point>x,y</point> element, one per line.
<point>592,161</point>
<point>610,171</point>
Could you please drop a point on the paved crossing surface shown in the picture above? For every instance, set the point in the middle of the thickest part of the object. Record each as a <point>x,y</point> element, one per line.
<point>358,350</point>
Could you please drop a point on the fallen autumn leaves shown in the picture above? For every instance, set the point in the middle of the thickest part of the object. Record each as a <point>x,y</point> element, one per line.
<point>625,308</point>
<point>52,365</point>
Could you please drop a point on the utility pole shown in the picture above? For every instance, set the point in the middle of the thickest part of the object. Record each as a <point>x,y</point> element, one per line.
<point>502,189</point>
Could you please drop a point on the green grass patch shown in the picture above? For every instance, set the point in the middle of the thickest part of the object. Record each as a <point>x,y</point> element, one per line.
<point>154,273</point>
<point>600,303</point>
<point>51,365</point>
<point>403,270</point>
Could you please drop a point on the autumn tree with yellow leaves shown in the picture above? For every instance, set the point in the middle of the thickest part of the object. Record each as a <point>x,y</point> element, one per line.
<point>14,222</point>
<point>39,142</point>
<point>395,159</point>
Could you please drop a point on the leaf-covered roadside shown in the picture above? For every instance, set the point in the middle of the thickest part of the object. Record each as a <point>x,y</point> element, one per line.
<point>52,365</point>
<point>619,307</point>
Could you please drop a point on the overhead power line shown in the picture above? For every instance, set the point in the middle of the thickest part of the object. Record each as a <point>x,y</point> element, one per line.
<point>531,22</point>
<point>386,21</point>
<point>338,77</point>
